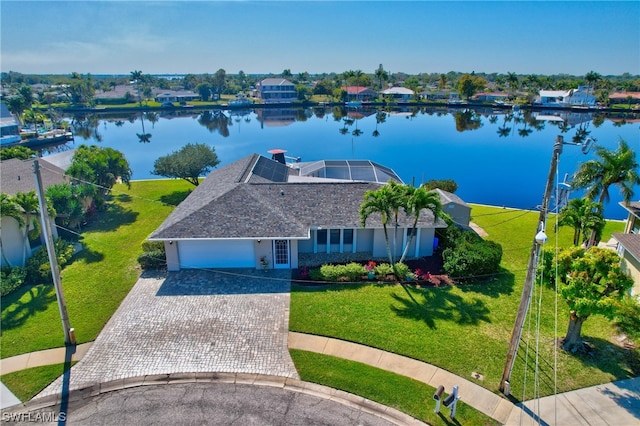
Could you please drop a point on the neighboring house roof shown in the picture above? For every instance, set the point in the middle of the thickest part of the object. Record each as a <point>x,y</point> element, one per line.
<point>276,82</point>
<point>448,197</point>
<point>17,175</point>
<point>253,198</point>
<point>624,95</point>
<point>6,118</point>
<point>630,242</point>
<point>632,207</point>
<point>354,90</point>
<point>398,91</point>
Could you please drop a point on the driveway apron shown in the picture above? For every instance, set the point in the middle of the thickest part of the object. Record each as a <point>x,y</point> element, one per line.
<point>193,321</point>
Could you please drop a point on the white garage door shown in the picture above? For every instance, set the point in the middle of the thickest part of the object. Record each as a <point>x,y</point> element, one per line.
<point>216,254</point>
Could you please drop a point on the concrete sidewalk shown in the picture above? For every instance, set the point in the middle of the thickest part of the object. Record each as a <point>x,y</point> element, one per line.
<point>40,358</point>
<point>614,404</point>
<point>471,394</point>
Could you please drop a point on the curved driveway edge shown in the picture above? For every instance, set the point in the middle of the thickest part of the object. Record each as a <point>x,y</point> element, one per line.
<point>215,398</point>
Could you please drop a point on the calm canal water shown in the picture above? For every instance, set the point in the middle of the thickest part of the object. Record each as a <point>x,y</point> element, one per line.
<point>496,157</point>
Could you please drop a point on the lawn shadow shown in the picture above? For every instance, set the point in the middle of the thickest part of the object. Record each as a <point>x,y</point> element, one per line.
<point>16,312</point>
<point>495,286</point>
<point>175,198</point>
<point>432,304</point>
<point>88,255</point>
<point>112,218</point>
<point>122,197</point>
<point>620,362</point>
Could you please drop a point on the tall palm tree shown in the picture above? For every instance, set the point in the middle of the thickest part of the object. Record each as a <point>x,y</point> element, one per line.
<point>378,202</point>
<point>385,201</point>
<point>618,168</point>
<point>28,203</point>
<point>9,208</point>
<point>420,199</point>
<point>584,216</point>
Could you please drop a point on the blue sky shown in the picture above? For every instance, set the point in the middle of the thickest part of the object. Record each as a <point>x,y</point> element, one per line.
<point>116,37</point>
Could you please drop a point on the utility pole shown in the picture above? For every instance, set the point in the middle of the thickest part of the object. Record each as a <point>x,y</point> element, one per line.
<point>69,335</point>
<point>539,238</point>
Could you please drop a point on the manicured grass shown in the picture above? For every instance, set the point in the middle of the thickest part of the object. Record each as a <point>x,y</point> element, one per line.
<point>467,328</point>
<point>26,384</point>
<point>402,393</point>
<point>99,277</point>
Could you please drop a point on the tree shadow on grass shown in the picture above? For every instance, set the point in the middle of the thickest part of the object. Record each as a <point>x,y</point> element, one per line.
<point>88,255</point>
<point>432,304</point>
<point>112,218</point>
<point>175,198</point>
<point>122,197</point>
<point>15,311</point>
<point>620,362</point>
<point>494,286</point>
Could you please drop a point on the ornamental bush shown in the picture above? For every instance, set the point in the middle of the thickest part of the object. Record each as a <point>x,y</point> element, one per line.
<point>38,268</point>
<point>153,255</point>
<point>471,256</point>
<point>11,279</point>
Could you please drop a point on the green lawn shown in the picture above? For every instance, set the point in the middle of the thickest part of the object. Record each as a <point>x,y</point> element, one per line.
<point>466,329</point>
<point>402,393</point>
<point>99,277</point>
<point>26,384</point>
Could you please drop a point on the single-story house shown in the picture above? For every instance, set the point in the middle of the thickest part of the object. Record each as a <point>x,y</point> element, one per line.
<point>455,207</point>
<point>398,93</point>
<point>9,127</point>
<point>574,97</point>
<point>629,245</point>
<point>359,93</point>
<point>492,96</point>
<point>18,177</point>
<point>259,212</point>
<point>177,96</point>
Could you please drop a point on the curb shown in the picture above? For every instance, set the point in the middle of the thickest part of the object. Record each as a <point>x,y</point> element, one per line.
<point>80,397</point>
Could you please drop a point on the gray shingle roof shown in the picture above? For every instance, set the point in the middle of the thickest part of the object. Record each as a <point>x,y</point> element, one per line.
<point>17,175</point>
<point>230,204</point>
<point>448,197</point>
<point>632,207</point>
<point>631,243</point>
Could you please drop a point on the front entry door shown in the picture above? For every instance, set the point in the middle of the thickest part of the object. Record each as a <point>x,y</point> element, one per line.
<point>281,254</point>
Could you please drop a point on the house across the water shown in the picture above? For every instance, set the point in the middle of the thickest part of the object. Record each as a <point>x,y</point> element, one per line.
<point>260,212</point>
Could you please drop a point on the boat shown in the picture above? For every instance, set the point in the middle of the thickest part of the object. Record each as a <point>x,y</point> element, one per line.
<point>240,101</point>
<point>354,103</point>
<point>50,137</point>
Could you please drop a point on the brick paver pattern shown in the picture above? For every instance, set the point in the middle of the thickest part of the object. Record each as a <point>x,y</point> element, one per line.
<point>193,321</point>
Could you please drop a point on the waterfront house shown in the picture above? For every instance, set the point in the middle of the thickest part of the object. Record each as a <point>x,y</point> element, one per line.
<point>400,94</point>
<point>259,212</point>
<point>629,245</point>
<point>276,90</point>
<point>177,96</point>
<point>492,96</point>
<point>563,98</point>
<point>359,93</point>
<point>9,127</point>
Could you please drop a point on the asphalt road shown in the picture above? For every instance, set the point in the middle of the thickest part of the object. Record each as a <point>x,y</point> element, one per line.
<point>203,404</point>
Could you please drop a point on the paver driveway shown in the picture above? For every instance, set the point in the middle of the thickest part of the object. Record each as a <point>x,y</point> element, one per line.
<point>193,321</point>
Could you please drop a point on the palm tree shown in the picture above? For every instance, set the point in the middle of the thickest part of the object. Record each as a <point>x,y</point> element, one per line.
<point>28,203</point>
<point>386,202</point>
<point>420,199</point>
<point>617,168</point>
<point>378,202</point>
<point>592,78</point>
<point>584,216</point>
<point>9,208</point>
<point>381,75</point>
